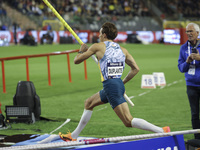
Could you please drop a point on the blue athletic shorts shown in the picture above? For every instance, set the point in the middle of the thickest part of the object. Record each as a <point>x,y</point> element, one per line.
<point>113,92</point>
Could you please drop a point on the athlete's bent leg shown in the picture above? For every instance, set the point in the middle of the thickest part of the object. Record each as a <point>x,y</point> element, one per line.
<point>90,103</point>
<point>123,113</point>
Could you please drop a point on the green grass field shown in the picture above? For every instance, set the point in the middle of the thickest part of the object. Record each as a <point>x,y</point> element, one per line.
<point>160,106</point>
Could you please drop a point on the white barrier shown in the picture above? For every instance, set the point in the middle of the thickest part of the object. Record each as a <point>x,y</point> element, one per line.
<point>148,81</point>
<point>159,78</point>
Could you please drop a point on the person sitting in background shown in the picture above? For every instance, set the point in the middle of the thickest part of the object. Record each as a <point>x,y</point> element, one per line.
<point>28,39</point>
<point>47,38</point>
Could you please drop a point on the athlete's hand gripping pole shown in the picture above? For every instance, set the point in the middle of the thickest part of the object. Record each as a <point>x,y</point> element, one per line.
<point>77,38</point>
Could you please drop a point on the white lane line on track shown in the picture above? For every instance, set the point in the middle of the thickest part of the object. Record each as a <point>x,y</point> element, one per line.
<point>144,93</point>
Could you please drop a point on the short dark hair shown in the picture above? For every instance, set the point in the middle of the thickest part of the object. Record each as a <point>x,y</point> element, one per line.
<point>110,30</point>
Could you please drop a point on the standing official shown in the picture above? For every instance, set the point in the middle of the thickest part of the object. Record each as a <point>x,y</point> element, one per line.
<point>189,63</point>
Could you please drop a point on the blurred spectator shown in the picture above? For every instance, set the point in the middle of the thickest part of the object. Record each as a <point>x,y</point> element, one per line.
<point>111,8</point>
<point>2,10</point>
<point>161,40</point>
<point>89,8</point>
<point>4,27</point>
<point>179,8</point>
<point>14,3</point>
<point>24,8</point>
<point>127,8</point>
<point>91,11</point>
<point>35,9</point>
<point>47,27</point>
<point>47,38</point>
<point>15,32</point>
<point>41,6</point>
<point>144,10</point>
<point>101,8</point>
<point>95,38</point>
<point>28,39</point>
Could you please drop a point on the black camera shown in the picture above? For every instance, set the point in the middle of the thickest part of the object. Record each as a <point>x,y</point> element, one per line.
<point>194,50</point>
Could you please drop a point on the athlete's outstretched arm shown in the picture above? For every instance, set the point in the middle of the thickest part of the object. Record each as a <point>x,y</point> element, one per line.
<point>84,53</point>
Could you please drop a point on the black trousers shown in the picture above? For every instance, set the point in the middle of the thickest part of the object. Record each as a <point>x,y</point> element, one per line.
<point>194,99</point>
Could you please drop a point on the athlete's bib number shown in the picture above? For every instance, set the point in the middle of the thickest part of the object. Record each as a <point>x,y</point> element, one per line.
<point>115,69</point>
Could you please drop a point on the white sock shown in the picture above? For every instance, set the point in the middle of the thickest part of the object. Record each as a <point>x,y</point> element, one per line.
<point>144,125</point>
<point>84,120</point>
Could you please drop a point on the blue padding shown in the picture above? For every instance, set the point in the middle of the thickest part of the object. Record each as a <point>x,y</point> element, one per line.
<point>33,141</point>
<point>162,143</point>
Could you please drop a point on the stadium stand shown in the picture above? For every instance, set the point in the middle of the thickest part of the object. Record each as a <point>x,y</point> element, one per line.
<point>90,14</point>
<point>179,9</point>
<point>86,14</point>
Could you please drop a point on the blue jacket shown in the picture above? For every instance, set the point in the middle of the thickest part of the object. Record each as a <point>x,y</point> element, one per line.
<point>185,51</point>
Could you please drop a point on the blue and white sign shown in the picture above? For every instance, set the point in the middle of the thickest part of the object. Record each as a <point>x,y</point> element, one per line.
<point>162,143</point>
